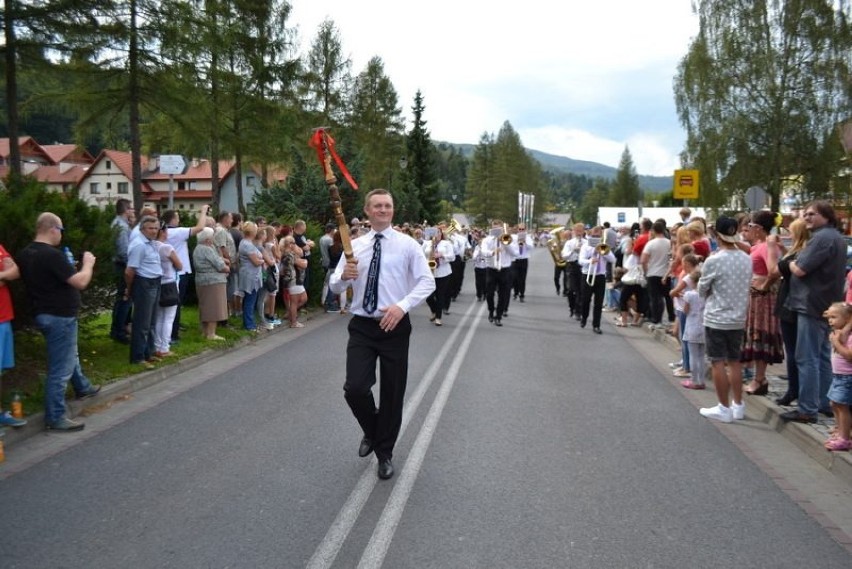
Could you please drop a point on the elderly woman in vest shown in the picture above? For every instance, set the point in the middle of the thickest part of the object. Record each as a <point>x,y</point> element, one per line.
<point>211,278</point>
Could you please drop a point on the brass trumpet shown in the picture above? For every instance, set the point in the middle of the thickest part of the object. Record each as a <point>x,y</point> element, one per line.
<point>453,227</point>
<point>506,237</point>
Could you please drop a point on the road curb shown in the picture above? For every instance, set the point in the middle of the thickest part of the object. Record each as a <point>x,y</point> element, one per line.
<point>112,392</point>
<point>808,438</point>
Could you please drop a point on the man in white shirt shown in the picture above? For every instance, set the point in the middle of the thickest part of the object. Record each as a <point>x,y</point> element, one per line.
<point>178,237</point>
<point>655,262</point>
<point>521,263</point>
<point>460,246</point>
<point>389,276</point>
<point>498,274</point>
<point>571,253</point>
<point>593,278</point>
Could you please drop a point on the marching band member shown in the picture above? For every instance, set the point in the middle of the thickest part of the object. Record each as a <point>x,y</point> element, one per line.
<point>480,263</point>
<point>521,263</point>
<point>593,262</point>
<point>571,253</point>
<point>440,252</point>
<point>461,245</point>
<point>500,250</point>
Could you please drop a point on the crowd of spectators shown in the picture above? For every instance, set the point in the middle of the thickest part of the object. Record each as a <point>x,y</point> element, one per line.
<point>741,294</point>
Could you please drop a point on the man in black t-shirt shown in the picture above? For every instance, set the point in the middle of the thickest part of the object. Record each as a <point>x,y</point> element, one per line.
<point>54,284</point>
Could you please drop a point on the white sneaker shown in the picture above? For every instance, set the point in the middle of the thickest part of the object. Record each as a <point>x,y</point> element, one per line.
<point>676,365</point>
<point>718,413</point>
<point>738,411</point>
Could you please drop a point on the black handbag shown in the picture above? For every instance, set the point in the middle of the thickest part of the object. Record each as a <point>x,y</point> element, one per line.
<point>169,294</point>
<point>270,283</point>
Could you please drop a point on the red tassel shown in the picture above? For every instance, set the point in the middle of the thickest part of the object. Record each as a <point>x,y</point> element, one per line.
<point>320,141</point>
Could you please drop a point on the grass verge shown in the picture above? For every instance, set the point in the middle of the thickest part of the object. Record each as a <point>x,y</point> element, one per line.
<point>103,360</point>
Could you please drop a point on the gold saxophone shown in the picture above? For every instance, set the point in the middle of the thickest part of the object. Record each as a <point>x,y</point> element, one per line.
<point>433,261</point>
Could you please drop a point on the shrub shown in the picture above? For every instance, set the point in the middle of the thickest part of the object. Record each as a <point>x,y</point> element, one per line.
<point>87,228</point>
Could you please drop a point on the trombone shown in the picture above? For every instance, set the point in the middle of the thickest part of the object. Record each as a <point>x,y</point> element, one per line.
<point>601,249</point>
<point>500,241</point>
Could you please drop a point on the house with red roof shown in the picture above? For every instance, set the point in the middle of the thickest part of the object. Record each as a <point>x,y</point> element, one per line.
<point>109,179</point>
<point>101,180</point>
<point>59,166</point>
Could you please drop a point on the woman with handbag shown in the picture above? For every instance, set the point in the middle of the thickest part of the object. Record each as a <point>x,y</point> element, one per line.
<point>211,278</point>
<point>293,270</point>
<point>169,296</point>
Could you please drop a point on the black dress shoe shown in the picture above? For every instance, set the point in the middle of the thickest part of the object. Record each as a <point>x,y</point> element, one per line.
<point>491,318</point>
<point>497,322</point>
<point>597,330</point>
<point>366,447</point>
<point>385,468</point>
<point>582,323</point>
<point>795,417</point>
<point>785,399</point>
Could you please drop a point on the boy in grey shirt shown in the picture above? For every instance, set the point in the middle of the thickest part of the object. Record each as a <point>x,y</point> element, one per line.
<point>725,281</point>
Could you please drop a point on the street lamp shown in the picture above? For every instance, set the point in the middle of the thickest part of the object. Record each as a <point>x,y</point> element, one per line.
<point>403,164</point>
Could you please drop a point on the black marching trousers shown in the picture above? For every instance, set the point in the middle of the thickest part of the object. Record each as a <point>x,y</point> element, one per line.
<point>368,343</point>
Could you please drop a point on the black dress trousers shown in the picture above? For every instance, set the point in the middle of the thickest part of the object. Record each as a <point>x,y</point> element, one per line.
<point>368,343</point>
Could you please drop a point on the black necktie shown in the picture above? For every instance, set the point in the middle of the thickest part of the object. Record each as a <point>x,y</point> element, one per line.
<point>371,293</point>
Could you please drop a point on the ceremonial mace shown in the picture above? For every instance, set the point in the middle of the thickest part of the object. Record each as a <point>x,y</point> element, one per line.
<point>324,145</point>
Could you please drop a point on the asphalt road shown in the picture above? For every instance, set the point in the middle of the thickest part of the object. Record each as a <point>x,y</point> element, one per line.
<point>534,445</point>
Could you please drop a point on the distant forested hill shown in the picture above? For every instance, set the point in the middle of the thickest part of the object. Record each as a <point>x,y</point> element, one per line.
<point>593,170</point>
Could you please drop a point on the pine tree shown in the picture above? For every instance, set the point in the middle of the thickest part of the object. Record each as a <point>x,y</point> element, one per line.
<point>421,165</point>
<point>625,191</point>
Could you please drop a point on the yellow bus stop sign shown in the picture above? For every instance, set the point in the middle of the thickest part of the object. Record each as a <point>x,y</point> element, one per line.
<point>685,185</point>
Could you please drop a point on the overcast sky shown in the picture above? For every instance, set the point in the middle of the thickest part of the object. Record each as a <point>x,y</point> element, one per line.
<point>580,79</point>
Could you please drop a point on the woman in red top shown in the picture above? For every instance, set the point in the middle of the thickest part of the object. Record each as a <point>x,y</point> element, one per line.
<point>700,243</point>
<point>762,342</point>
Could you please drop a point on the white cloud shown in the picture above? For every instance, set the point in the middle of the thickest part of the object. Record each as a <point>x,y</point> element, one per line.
<point>575,79</point>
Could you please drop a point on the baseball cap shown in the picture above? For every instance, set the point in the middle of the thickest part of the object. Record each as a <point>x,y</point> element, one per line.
<point>727,229</point>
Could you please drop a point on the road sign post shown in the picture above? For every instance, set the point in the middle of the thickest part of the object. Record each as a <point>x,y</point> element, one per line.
<point>172,164</point>
<point>685,185</point>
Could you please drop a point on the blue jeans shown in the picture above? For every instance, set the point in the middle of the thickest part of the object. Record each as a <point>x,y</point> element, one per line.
<point>146,295</point>
<point>686,363</point>
<point>249,305</point>
<point>63,363</point>
<point>813,358</point>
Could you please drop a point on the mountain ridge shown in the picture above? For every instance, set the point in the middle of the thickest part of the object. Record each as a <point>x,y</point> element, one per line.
<point>563,164</point>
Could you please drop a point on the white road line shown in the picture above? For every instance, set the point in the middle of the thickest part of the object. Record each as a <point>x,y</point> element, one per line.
<point>326,552</point>
<point>376,550</point>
